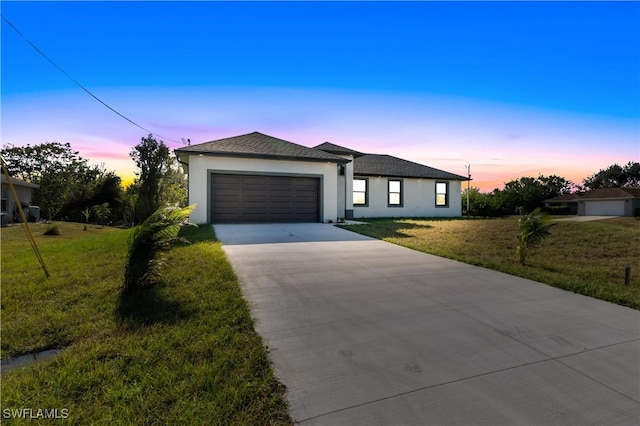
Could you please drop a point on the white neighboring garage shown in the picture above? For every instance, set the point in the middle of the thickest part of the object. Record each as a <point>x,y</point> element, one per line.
<point>604,208</point>
<point>609,202</point>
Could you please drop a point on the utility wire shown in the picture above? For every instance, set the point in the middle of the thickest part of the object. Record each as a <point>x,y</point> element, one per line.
<point>78,83</point>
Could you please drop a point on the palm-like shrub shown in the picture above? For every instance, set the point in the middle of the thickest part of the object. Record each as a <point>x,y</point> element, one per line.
<point>149,243</point>
<point>532,229</point>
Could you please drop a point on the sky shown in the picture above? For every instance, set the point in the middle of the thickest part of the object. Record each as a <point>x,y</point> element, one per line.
<point>512,88</point>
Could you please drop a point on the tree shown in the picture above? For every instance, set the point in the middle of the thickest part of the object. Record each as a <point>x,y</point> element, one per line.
<point>152,159</point>
<point>68,184</point>
<point>532,229</point>
<point>173,187</point>
<point>615,176</point>
<point>528,193</point>
<point>483,204</point>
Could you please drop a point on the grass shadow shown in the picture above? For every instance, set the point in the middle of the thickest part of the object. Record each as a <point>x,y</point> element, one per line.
<point>147,307</point>
<point>199,233</point>
<point>387,228</point>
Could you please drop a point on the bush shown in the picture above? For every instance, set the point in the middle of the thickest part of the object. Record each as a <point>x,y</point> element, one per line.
<point>52,229</point>
<point>149,242</point>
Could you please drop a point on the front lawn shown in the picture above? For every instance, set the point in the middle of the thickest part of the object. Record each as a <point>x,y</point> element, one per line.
<point>183,353</point>
<point>584,257</point>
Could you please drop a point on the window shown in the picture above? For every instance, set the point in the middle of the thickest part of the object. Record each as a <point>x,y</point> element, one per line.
<point>395,193</point>
<point>442,194</point>
<point>360,196</point>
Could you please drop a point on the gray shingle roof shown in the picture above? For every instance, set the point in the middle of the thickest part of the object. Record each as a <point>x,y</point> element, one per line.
<point>599,194</point>
<point>337,149</point>
<point>386,165</point>
<point>258,145</point>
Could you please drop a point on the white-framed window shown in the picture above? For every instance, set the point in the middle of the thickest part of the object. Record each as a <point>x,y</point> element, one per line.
<point>442,194</point>
<point>360,192</point>
<point>394,198</point>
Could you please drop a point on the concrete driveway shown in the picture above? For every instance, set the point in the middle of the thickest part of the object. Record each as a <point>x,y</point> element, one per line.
<point>583,218</point>
<point>366,332</point>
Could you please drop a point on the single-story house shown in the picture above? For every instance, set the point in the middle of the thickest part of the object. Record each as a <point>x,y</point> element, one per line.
<point>260,178</point>
<point>8,211</point>
<point>601,202</point>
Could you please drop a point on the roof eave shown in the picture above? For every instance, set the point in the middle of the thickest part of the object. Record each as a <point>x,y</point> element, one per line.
<point>460,178</point>
<point>336,160</point>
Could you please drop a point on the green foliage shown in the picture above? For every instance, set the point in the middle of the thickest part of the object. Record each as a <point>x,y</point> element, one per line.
<point>529,192</point>
<point>482,204</point>
<point>615,176</point>
<point>101,212</point>
<point>86,214</point>
<point>533,228</point>
<point>149,242</point>
<point>152,159</point>
<point>52,229</point>
<point>68,185</point>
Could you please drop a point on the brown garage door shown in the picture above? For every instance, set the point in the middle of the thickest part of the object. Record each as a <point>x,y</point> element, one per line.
<point>248,198</point>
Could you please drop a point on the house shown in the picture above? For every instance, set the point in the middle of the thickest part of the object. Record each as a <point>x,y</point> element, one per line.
<point>8,211</point>
<point>260,178</point>
<point>601,202</point>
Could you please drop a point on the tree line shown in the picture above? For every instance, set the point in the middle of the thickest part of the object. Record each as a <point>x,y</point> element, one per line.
<point>525,194</point>
<point>73,190</point>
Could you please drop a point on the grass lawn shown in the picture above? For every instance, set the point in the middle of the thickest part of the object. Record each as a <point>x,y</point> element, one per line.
<point>183,353</point>
<point>584,257</point>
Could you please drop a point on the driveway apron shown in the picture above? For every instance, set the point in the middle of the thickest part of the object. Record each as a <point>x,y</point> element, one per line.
<point>361,331</point>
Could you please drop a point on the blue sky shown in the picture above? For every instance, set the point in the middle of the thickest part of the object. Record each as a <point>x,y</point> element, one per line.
<point>512,88</point>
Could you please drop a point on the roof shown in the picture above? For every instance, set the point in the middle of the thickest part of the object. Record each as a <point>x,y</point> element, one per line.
<point>387,165</point>
<point>337,149</point>
<point>18,182</point>
<point>599,194</point>
<point>258,145</point>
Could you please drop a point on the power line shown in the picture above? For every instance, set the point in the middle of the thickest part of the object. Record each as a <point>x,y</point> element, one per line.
<point>78,83</point>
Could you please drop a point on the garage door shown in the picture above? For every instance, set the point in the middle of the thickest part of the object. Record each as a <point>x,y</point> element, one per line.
<point>248,198</point>
<point>604,208</point>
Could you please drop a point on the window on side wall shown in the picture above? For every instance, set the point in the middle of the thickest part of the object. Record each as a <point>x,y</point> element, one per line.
<point>442,194</point>
<point>360,192</point>
<point>394,198</point>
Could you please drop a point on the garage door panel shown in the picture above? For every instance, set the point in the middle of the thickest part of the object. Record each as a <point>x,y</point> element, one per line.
<point>604,208</point>
<point>257,198</point>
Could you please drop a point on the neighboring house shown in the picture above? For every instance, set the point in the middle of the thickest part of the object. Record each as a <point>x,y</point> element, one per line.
<point>602,202</point>
<point>8,205</point>
<point>259,178</point>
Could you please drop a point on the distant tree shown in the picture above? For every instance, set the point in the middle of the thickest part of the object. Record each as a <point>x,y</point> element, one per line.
<point>160,180</point>
<point>101,212</point>
<point>615,176</point>
<point>101,188</point>
<point>482,204</point>
<point>31,163</point>
<point>152,159</point>
<point>173,186</point>
<point>532,229</point>
<point>68,184</point>
<point>527,193</point>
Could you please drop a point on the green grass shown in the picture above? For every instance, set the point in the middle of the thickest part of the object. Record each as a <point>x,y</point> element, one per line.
<point>184,352</point>
<point>584,257</point>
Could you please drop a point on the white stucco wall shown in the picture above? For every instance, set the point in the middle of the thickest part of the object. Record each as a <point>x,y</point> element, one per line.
<point>419,199</point>
<point>201,168</point>
<point>345,188</point>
